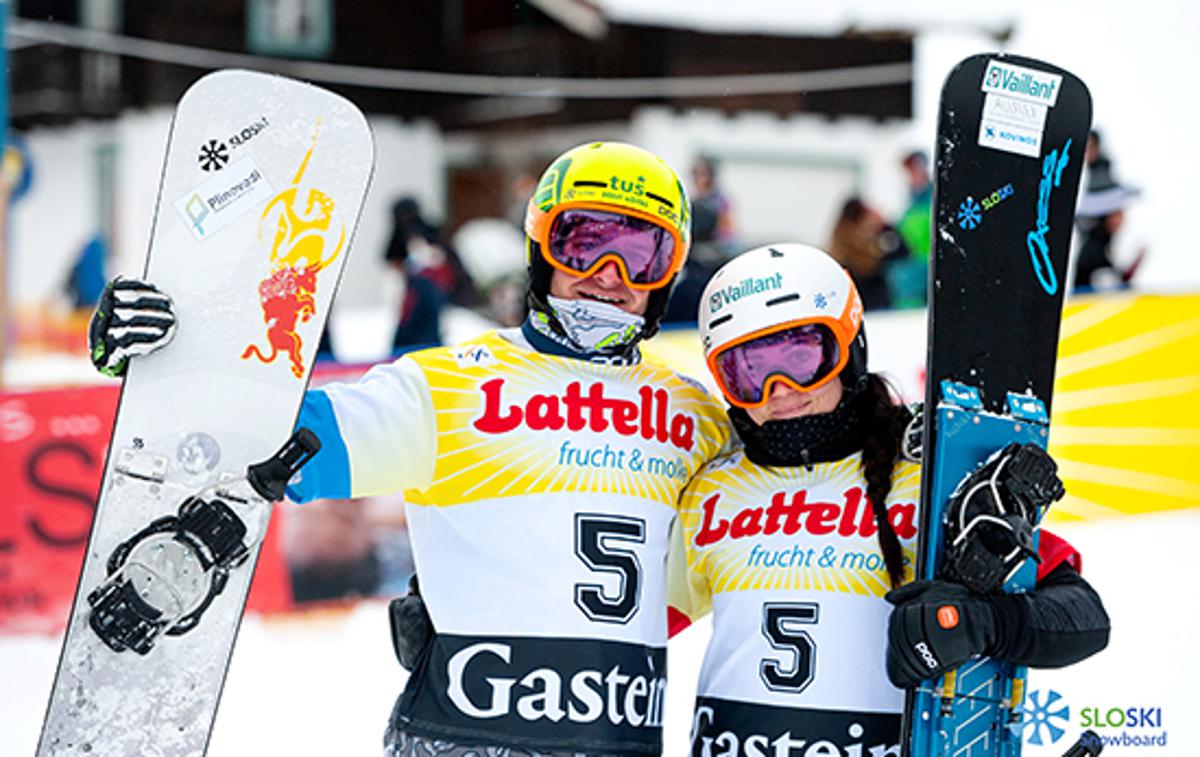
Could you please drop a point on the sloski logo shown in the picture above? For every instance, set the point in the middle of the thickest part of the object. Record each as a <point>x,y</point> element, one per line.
<point>970,211</point>
<point>969,214</point>
<point>214,155</point>
<point>304,235</point>
<point>1045,716</point>
<point>549,191</point>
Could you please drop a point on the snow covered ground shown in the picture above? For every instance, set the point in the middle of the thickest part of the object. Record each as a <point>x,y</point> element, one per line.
<point>323,683</point>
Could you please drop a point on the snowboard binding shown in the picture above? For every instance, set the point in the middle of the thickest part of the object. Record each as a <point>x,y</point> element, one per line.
<point>991,516</point>
<point>163,578</point>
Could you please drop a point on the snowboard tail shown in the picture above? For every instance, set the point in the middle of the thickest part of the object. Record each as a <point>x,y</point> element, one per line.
<point>262,186</point>
<point>1011,135</point>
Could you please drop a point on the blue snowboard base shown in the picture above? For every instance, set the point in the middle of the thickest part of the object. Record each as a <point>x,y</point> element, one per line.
<point>976,709</point>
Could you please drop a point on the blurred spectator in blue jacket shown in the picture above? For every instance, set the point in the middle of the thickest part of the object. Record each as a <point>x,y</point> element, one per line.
<point>86,279</point>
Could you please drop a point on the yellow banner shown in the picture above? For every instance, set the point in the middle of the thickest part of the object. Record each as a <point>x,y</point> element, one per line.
<point>1126,422</point>
<point>1126,411</point>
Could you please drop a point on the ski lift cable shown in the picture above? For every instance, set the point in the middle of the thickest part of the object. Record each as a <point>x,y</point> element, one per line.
<point>857,77</point>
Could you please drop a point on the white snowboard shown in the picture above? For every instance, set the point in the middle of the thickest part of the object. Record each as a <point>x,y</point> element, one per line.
<point>262,186</point>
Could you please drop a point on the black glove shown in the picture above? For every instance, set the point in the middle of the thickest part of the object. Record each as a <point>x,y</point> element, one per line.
<point>133,318</point>
<point>412,629</point>
<point>935,627</point>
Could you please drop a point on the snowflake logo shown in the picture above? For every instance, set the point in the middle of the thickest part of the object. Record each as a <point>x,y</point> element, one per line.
<point>213,156</point>
<point>1043,719</point>
<point>820,301</point>
<point>969,213</point>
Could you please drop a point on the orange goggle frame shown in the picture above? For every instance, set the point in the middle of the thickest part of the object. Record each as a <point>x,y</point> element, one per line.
<point>542,222</point>
<point>834,327</point>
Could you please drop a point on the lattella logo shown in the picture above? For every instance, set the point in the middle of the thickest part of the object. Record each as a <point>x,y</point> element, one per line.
<point>578,408</point>
<point>788,515</point>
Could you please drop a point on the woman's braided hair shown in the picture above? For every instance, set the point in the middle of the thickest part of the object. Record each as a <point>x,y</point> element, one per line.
<point>883,421</point>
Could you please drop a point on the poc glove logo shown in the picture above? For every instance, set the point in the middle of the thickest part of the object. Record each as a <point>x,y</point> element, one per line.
<point>926,655</point>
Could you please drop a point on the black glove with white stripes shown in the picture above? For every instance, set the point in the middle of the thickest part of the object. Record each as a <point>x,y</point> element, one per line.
<point>133,318</point>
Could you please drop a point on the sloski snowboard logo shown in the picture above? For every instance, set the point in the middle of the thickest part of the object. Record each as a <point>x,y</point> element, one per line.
<point>969,214</point>
<point>213,155</point>
<point>970,211</point>
<point>303,234</point>
<point>1043,718</point>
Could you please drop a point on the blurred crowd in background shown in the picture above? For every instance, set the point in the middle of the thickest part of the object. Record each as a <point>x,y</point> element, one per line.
<point>888,257</point>
<point>337,549</point>
<point>452,247</point>
<point>480,266</point>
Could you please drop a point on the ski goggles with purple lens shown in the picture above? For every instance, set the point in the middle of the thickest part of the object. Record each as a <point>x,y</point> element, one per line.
<point>803,357</point>
<point>581,240</point>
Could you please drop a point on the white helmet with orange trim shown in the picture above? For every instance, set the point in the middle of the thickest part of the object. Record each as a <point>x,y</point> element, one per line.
<point>782,313</point>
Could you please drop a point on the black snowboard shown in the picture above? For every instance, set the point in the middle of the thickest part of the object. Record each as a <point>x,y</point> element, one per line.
<point>1010,142</point>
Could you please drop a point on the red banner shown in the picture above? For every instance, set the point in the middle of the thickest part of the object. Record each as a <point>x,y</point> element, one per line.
<point>52,454</point>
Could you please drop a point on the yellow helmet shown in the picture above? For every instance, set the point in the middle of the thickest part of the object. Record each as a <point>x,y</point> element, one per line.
<point>610,178</point>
